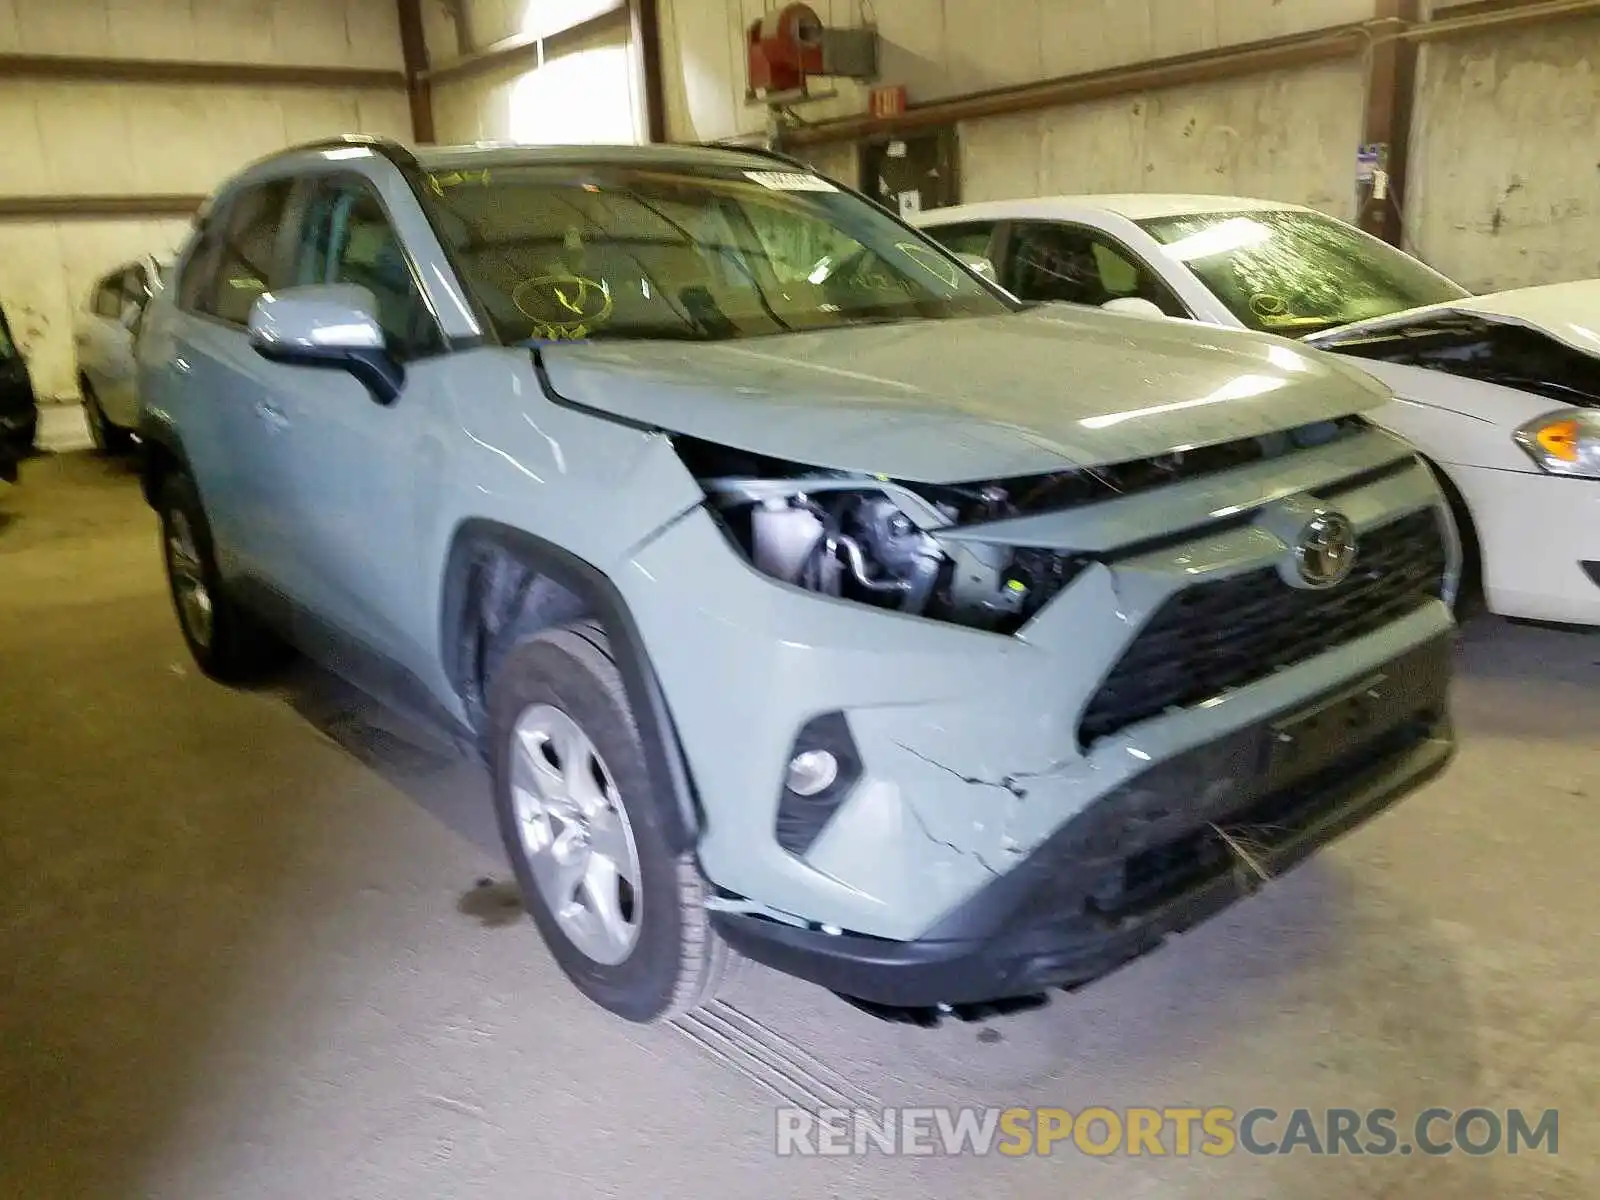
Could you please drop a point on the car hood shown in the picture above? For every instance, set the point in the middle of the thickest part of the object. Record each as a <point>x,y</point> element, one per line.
<point>964,399</point>
<point>1567,312</point>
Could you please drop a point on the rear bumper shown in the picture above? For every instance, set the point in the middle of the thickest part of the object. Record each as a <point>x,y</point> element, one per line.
<point>1145,861</point>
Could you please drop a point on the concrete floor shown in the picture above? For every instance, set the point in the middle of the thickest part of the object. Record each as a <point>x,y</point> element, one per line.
<point>247,956</point>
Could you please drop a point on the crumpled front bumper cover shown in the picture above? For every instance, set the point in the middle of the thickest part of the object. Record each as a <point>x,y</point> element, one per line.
<point>1172,847</point>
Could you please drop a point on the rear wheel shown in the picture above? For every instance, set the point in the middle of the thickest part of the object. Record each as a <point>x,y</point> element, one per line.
<point>623,916</point>
<point>227,643</point>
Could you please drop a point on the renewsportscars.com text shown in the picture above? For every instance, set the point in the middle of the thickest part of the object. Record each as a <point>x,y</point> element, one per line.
<point>1164,1132</point>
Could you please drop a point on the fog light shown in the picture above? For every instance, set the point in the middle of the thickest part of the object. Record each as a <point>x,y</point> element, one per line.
<point>824,765</point>
<point>812,771</point>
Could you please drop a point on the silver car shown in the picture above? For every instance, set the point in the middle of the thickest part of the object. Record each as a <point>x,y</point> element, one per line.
<point>104,336</point>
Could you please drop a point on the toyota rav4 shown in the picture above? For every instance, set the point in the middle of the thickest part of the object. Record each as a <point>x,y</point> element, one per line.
<point>811,599</point>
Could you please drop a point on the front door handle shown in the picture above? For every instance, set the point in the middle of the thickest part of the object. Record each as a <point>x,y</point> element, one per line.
<point>271,414</point>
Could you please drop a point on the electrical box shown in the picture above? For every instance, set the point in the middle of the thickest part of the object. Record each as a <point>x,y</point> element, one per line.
<point>791,45</point>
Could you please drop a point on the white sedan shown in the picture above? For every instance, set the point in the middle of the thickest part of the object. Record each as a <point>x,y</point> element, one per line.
<point>1501,393</point>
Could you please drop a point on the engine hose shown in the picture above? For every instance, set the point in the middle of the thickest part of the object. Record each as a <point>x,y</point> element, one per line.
<point>858,566</point>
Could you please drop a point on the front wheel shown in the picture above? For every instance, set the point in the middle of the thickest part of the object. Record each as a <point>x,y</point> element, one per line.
<point>623,916</point>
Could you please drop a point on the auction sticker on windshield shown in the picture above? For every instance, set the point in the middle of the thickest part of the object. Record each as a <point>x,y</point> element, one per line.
<point>790,181</point>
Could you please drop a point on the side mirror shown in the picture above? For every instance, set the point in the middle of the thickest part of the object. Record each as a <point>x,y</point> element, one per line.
<point>1133,306</point>
<point>332,326</point>
<point>979,264</point>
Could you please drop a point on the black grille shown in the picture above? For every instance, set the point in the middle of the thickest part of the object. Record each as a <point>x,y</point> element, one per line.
<point>1214,637</point>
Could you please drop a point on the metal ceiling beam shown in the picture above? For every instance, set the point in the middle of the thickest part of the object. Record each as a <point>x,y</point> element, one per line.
<point>1210,66</point>
<point>86,69</point>
<point>67,208</point>
<point>646,39</point>
<point>1274,54</point>
<point>414,52</point>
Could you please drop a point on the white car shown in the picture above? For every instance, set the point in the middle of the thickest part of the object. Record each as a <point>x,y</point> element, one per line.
<point>104,340</point>
<point>1501,393</point>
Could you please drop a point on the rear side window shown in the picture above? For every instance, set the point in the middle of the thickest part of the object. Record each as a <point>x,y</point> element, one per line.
<point>968,237</point>
<point>108,296</point>
<point>237,258</point>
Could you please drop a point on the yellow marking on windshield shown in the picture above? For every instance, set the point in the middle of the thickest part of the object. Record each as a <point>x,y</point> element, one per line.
<point>438,182</point>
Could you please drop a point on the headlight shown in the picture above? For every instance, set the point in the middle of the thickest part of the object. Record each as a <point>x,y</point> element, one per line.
<point>879,545</point>
<point>1564,443</point>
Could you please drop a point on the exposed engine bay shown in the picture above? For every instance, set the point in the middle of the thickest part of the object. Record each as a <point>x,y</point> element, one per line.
<point>1491,351</point>
<point>877,541</point>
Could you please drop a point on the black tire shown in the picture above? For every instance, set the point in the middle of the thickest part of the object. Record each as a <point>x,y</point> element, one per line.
<point>107,438</point>
<point>677,963</point>
<point>238,648</point>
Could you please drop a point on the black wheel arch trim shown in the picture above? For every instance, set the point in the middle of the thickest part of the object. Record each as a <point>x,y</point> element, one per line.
<point>664,757</point>
<point>158,439</point>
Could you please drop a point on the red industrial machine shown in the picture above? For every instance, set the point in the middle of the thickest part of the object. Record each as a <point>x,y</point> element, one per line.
<point>789,46</point>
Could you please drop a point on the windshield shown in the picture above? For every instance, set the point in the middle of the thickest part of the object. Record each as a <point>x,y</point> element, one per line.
<point>1298,273</point>
<point>572,253</point>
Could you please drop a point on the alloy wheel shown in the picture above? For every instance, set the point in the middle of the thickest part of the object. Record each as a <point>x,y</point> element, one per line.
<point>189,585</point>
<point>575,833</point>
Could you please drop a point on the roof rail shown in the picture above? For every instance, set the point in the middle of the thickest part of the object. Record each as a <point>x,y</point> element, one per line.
<point>396,153</point>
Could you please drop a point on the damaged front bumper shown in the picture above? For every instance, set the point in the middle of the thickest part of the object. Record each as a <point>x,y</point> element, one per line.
<point>969,750</point>
<point>1154,856</point>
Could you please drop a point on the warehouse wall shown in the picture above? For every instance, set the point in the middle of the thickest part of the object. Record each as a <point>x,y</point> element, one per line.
<point>88,138</point>
<point>1505,182</point>
<point>1291,134</point>
<point>577,88</point>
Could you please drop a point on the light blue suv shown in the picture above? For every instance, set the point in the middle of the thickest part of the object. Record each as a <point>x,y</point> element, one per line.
<point>812,600</point>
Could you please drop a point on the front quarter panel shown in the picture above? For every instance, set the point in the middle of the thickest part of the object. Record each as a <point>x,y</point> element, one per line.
<point>1453,420</point>
<point>592,487</point>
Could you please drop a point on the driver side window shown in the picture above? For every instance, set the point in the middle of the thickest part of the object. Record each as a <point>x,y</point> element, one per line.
<point>1070,263</point>
<point>347,237</point>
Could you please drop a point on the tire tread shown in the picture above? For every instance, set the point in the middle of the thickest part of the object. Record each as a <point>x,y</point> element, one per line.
<point>705,962</point>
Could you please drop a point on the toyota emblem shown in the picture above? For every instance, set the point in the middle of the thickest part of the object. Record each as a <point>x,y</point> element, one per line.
<point>1325,553</point>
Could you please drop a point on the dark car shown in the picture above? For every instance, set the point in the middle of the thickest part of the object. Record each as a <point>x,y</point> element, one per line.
<point>19,412</point>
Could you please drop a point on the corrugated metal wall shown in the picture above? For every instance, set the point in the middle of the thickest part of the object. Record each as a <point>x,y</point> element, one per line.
<point>74,137</point>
